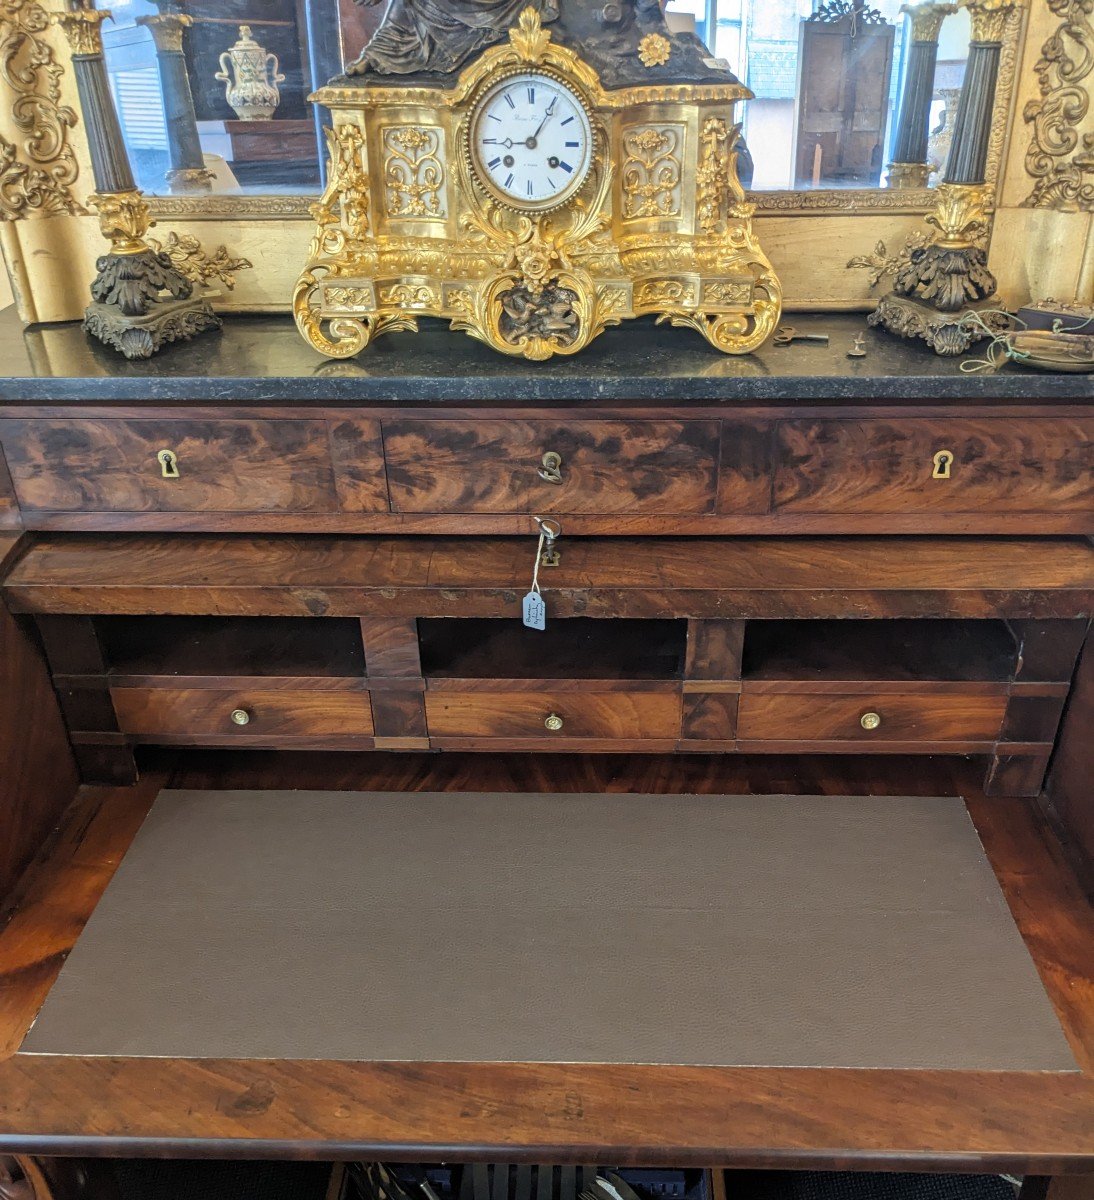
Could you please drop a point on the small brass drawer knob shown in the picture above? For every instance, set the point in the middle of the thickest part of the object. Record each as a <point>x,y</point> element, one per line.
<point>870,721</point>
<point>554,722</point>
<point>240,716</point>
<point>551,470</point>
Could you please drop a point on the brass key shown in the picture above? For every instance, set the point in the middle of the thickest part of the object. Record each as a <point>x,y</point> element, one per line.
<point>786,335</point>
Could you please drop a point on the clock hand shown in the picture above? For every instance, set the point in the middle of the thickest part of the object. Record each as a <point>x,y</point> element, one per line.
<point>546,117</point>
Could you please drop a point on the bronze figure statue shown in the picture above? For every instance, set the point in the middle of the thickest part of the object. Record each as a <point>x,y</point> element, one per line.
<point>439,35</point>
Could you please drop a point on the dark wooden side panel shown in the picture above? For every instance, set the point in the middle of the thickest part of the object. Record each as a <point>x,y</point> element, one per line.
<point>1048,650</point>
<point>1070,790</point>
<point>37,771</point>
<point>80,670</point>
<point>9,506</point>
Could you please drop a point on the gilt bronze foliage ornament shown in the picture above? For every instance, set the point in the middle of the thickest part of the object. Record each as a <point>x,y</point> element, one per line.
<point>525,199</point>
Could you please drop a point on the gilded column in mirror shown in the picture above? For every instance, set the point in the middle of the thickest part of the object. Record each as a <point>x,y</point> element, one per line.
<point>140,301</point>
<point>943,290</point>
<point>188,172</point>
<point>910,167</point>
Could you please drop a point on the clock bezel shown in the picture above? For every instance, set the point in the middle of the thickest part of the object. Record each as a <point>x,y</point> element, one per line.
<point>483,181</point>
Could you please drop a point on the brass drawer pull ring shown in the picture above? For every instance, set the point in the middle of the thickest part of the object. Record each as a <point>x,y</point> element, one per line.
<point>870,721</point>
<point>554,722</point>
<point>240,716</point>
<point>169,462</point>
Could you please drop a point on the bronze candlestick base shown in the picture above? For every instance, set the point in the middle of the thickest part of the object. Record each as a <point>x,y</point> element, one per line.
<point>940,288</point>
<point>140,299</point>
<point>947,334</point>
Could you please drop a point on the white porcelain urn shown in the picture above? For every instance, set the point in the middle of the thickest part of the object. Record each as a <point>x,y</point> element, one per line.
<point>252,74</point>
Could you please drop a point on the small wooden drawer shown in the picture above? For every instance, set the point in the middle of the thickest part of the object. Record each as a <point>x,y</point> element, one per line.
<point>553,715</point>
<point>212,466</point>
<point>996,465</point>
<point>650,467</point>
<point>862,717</point>
<point>169,712</point>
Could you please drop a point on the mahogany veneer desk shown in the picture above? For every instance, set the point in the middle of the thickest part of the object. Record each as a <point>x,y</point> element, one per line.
<point>790,573</point>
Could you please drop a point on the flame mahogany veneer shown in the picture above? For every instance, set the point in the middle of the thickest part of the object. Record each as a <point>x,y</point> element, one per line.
<point>305,568</point>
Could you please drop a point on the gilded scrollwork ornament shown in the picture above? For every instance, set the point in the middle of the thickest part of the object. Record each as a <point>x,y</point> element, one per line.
<point>1060,157</point>
<point>652,171</point>
<point>38,184</point>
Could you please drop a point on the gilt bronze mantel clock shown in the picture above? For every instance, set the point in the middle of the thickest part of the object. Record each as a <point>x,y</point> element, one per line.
<point>532,194</point>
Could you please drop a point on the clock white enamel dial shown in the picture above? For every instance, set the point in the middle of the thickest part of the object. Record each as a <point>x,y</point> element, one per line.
<point>531,142</point>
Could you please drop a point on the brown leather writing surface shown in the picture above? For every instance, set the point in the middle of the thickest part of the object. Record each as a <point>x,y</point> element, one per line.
<point>767,931</point>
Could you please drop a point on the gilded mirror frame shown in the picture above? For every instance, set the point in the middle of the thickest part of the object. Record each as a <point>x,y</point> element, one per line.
<point>264,238</point>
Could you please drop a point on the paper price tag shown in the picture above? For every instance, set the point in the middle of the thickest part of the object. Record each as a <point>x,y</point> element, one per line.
<point>535,611</point>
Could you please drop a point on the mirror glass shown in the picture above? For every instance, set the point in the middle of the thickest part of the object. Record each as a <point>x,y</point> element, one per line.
<point>827,76</point>
<point>828,79</point>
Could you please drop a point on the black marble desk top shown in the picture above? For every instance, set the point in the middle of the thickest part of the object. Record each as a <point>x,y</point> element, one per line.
<point>264,361</point>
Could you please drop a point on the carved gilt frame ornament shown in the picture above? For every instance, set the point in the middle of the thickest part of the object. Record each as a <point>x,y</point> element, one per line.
<point>38,184</point>
<point>670,235</point>
<point>1060,158</point>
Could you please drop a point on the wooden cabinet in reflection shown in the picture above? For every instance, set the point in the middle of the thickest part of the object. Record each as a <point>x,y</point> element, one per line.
<point>845,65</point>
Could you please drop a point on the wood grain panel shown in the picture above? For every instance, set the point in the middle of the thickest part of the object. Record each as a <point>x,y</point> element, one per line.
<point>710,717</point>
<point>790,718</point>
<point>715,649</point>
<point>877,466</point>
<point>391,647</point>
<point>357,452</point>
<point>453,577</point>
<point>224,466</point>
<point>522,714</point>
<point>151,711</point>
<point>745,476</point>
<point>607,466</point>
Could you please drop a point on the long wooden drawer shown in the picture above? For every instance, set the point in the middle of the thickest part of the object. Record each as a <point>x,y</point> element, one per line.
<point>170,712</point>
<point>633,467</point>
<point>935,466</point>
<point>212,466</point>
<point>558,715</point>
<point>862,717</point>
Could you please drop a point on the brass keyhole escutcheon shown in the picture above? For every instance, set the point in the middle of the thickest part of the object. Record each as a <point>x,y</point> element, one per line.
<point>554,722</point>
<point>870,721</point>
<point>551,470</point>
<point>240,716</point>
<point>169,463</point>
<point>943,464</point>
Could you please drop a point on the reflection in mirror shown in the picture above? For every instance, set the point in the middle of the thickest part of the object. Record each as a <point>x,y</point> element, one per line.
<point>829,78</point>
